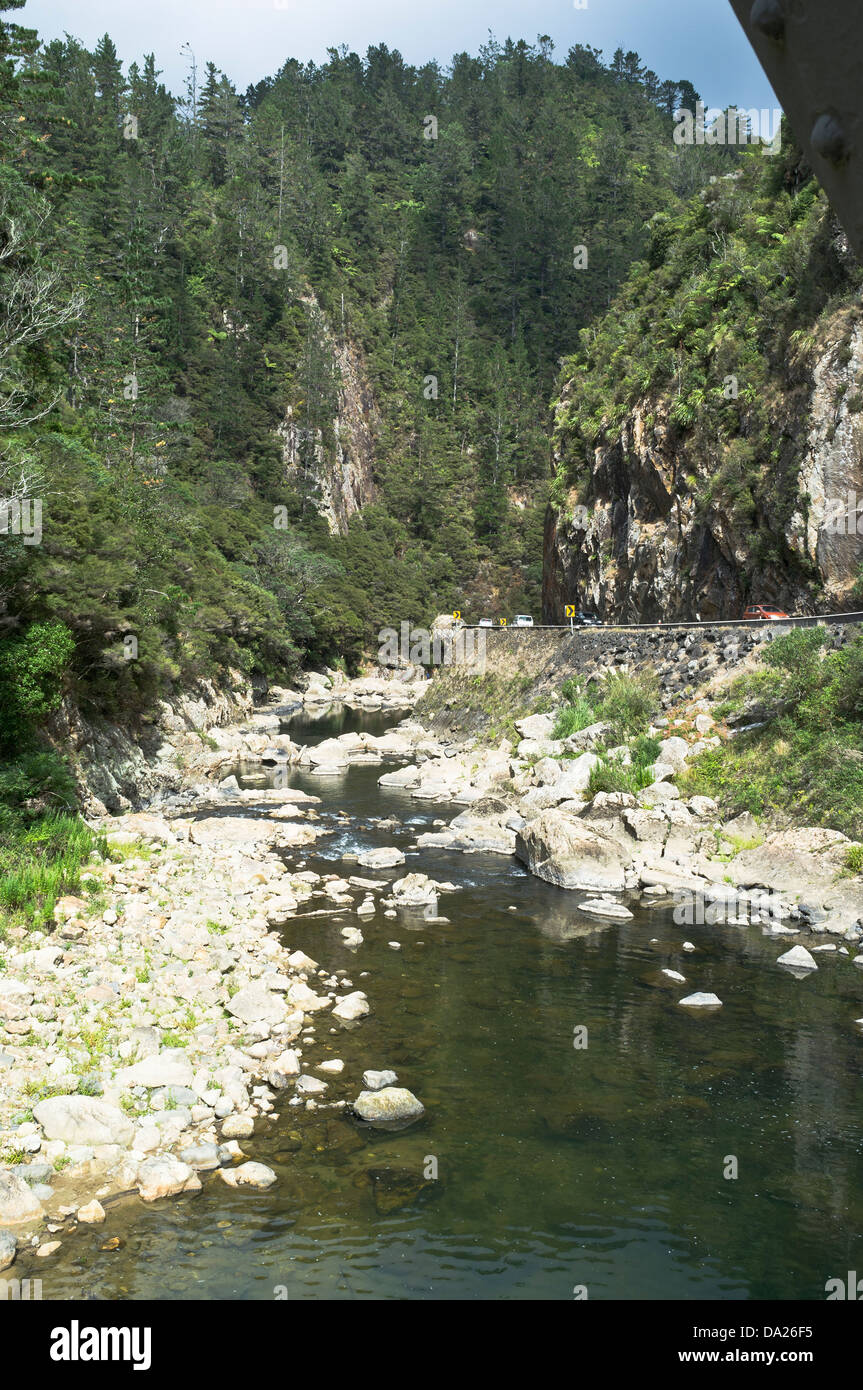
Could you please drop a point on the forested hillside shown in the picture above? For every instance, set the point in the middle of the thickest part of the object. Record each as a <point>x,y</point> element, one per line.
<point>710,414</point>
<point>212,263</point>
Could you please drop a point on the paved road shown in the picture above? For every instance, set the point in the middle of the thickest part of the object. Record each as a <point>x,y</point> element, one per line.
<point>812,621</point>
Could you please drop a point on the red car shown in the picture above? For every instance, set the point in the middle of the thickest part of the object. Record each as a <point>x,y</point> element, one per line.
<point>758,612</point>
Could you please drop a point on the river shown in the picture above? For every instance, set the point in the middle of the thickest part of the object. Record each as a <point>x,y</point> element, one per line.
<point>558,1167</point>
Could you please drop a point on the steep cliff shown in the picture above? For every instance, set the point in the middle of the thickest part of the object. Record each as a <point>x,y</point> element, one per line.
<point>335,465</point>
<point>710,425</point>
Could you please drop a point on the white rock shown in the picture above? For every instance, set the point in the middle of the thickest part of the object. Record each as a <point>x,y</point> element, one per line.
<point>165,1176</point>
<point>93,1214</point>
<point>256,1175</point>
<point>83,1120</point>
<point>170,1068</point>
<point>598,907</point>
<point>701,1001</point>
<point>798,958</point>
<point>377,1080</point>
<point>351,1007</point>
<point>386,858</point>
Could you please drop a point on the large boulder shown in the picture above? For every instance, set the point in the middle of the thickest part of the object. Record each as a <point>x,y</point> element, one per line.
<point>403,777</point>
<point>535,726</point>
<point>674,751</point>
<point>564,850</point>
<point>83,1120</point>
<point>575,776</point>
<point>474,833</point>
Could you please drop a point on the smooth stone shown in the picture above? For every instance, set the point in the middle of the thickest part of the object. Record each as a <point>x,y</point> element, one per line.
<point>166,1176</point>
<point>352,1007</point>
<point>701,1001</point>
<point>377,1080</point>
<point>93,1214</point>
<point>238,1127</point>
<point>391,1105</point>
<point>256,1175</point>
<point>83,1120</point>
<point>798,958</point>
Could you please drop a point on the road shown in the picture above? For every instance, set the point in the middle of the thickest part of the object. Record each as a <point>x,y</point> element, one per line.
<point>814,620</point>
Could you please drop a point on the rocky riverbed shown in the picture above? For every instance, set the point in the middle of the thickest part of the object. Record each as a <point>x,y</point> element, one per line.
<point>155,1033</point>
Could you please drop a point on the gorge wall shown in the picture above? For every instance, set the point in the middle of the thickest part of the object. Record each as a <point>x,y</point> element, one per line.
<point>634,544</point>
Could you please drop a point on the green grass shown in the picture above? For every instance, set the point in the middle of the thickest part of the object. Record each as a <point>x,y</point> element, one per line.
<point>611,774</point>
<point>40,862</point>
<point>573,718</point>
<point>625,701</point>
<point>853,861</point>
<point>805,765</point>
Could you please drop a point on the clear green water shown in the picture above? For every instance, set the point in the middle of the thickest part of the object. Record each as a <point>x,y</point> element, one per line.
<point>557,1167</point>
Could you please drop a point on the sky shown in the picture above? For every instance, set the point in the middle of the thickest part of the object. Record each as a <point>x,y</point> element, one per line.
<point>250,39</point>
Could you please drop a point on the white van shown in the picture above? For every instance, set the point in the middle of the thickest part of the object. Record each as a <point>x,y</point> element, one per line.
<point>522,620</point>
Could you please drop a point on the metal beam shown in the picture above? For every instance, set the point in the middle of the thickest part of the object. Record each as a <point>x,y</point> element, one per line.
<point>812,52</point>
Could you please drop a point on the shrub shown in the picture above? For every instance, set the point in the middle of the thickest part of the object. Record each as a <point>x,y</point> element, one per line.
<point>854,859</point>
<point>628,702</point>
<point>31,674</point>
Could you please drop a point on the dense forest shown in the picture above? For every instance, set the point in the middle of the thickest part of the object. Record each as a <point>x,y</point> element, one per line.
<point>180,275</point>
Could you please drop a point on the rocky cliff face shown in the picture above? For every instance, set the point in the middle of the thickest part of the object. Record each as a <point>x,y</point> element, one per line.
<point>341,478</point>
<point>635,544</point>
<point>121,768</point>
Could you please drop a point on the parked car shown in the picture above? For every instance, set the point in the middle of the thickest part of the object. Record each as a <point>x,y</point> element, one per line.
<point>586,620</point>
<point>522,620</point>
<point>758,612</point>
<point>485,622</point>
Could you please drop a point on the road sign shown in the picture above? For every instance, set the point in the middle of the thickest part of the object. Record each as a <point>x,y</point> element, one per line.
<point>501,622</point>
<point>570,610</point>
<point>457,615</point>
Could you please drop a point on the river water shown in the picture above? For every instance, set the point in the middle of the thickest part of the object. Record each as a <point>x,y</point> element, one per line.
<point>557,1167</point>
